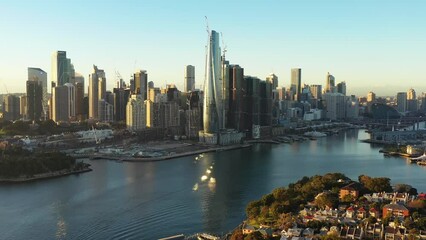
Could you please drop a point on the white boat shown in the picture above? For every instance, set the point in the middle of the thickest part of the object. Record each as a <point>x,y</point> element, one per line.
<point>212,180</point>
<point>204,178</point>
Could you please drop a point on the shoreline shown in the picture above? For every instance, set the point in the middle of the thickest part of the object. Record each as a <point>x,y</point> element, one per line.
<point>43,176</point>
<point>168,157</point>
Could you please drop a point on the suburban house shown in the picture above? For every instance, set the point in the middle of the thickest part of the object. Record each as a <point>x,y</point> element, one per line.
<point>396,210</point>
<point>350,189</point>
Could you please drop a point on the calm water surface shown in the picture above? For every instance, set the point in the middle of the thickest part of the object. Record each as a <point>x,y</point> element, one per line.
<point>153,200</point>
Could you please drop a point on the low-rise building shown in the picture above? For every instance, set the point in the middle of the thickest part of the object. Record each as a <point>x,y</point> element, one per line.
<point>396,210</point>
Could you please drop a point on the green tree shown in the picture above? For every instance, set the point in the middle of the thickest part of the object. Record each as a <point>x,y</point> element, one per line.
<point>327,199</point>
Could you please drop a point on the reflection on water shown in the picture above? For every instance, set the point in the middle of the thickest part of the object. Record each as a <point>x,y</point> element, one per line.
<point>158,199</point>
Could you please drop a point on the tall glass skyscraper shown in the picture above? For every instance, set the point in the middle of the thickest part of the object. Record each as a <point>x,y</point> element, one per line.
<point>40,76</point>
<point>212,115</point>
<point>62,69</point>
<point>296,82</point>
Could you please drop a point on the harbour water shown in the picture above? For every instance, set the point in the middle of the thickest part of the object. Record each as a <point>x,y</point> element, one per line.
<point>158,199</point>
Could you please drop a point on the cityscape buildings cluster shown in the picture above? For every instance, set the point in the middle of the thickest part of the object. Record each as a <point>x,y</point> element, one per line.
<point>231,105</point>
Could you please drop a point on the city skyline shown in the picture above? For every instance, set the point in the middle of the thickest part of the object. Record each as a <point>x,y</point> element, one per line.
<point>370,45</point>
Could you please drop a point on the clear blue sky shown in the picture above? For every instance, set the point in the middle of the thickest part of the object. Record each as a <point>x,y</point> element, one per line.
<point>372,45</point>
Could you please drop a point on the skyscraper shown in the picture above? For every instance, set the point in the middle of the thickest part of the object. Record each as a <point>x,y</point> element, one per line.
<point>296,81</point>
<point>189,76</point>
<point>34,100</point>
<point>141,83</point>
<point>341,88</point>
<point>272,79</point>
<point>11,105</point>
<point>371,97</point>
<point>330,83</point>
<point>37,74</point>
<point>60,104</point>
<point>94,78</point>
<point>236,99</point>
<point>212,115</point>
<point>62,69</point>
<point>316,91</point>
<point>401,101</point>
<point>79,96</point>
<point>411,100</point>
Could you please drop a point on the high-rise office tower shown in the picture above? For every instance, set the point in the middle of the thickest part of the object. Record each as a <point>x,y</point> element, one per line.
<point>272,79</point>
<point>62,69</point>
<point>411,100</point>
<point>401,101</point>
<point>70,100</point>
<point>316,91</point>
<point>34,100</point>
<point>296,82</point>
<point>212,115</point>
<point>252,102</point>
<point>60,104</point>
<point>341,88</point>
<point>189,78</point>
<point>79,96</point>
<point>23,106</point>
<point>37,74</point>
<point>11,105</point>
<point>237,90</point>
<point>423,103</point>
<point>140,79</point>
<point>371,97</point>
<point>330,83</point>
<point>121,96</point>
<point>265,103</point>
<point>98,75</point>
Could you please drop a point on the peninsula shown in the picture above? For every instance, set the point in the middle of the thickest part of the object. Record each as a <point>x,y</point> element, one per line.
<point>21,165</point>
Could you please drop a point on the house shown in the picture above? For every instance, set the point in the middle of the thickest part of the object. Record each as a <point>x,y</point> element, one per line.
<point>401,197</point>
<point>374,213</point>
<point>350,212</point>
<point>247,229</point>
<point>361,213</point>
<point>396,210</point>
<point>352,189</point>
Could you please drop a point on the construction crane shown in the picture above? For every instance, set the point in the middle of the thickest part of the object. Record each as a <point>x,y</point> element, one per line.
<point>225,49</point>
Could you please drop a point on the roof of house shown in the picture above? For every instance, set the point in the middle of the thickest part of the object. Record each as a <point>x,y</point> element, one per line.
<point>350,209</point>
<point>353,186</point>
<point>249,227</point>
<point>395,206</point>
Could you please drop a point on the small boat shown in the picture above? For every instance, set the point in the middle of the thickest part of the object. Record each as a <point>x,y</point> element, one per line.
<point>204,178</point>
<point>196,158</point>
<point>205,236</point>
<point>195,188</point>
<point>421,163</point>
<point>212,180</point>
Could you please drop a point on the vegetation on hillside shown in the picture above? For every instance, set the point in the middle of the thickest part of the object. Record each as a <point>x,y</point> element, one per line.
<point>17,162</point>
<point>279,207</point>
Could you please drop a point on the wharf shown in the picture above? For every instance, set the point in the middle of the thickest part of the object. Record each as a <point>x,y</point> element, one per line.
<point>166,157</point>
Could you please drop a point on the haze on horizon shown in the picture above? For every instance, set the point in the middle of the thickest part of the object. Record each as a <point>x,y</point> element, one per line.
<point>373,45</point>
